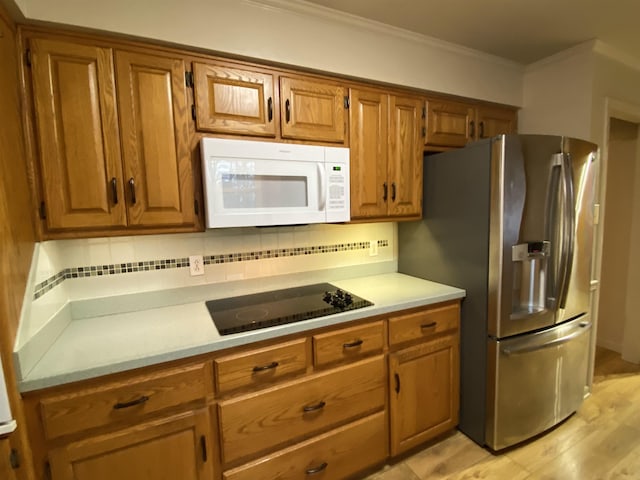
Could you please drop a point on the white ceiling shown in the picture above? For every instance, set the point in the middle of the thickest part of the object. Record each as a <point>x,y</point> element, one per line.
<point>520,30</point>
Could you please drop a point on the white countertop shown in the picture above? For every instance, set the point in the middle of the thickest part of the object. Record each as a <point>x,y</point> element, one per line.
<point>109,342</point>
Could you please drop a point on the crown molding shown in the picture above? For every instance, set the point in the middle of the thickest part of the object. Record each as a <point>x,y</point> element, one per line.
<point>306,9</point>
<point>613,53</point>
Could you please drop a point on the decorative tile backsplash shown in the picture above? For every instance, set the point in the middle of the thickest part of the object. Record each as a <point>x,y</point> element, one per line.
<point>183,262</point>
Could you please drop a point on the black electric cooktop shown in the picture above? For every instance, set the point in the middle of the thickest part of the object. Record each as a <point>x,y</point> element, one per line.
<point>277,307</point>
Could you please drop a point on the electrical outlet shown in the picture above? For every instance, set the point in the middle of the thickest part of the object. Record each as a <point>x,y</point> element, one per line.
<point>196,265</point>
<point>373,248</point>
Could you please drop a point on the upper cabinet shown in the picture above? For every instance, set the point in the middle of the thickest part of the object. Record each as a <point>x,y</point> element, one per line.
<point>113,138</point>
<point>386,155</point>
<point>229,99</point>
<point>454,124</point>
<point>312,110</point>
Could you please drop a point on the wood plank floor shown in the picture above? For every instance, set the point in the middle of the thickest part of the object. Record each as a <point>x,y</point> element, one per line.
<point>600,442</point>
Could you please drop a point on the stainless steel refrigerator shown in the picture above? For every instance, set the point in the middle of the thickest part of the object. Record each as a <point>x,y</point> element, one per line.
<point>510,220</point>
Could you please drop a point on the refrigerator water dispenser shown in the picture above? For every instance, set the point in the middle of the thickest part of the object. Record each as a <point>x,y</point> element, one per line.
<point>530,278</point>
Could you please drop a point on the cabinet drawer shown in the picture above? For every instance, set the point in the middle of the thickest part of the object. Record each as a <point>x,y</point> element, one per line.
<point>348,343</point>
<point>258,367</point>
<point>300,409</point>
<point>337,454</point>
<point>423,323</point>
<point>123,401</point>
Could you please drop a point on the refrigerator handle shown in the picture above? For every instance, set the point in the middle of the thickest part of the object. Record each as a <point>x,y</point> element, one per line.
<point>552,224</point>
<point>582,327</point>
<point>568,228</point>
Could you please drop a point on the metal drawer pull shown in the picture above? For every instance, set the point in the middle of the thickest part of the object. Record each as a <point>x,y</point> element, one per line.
<point>355,343</point>
<point>132,187</point>
<point>287,111</point>
<point>270,109</point>
<point>262,368</point>
<point>429,325</point>
<point>318,469</point>
<point>384,192</point>
<point>313,408</point>
<point>393,192</point>
<point>132,403</point>
<point>114,190</point>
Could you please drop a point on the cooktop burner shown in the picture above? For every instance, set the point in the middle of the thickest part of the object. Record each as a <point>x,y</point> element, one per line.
<point>261,310</point>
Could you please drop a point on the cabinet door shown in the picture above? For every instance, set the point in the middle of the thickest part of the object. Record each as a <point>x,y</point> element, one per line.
<point>312,110</point>
<point>424,388</point>
<point>492,121</point>
<point>449,124</point>
<point>172,448</point>
<point>152,101</point>
<point>77,130</point>
<point>7,472</point>
<point>234,100</point>
<point>405,157</point>
<point>368,142</point>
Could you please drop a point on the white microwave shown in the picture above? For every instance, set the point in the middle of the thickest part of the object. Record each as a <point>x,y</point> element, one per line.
<point>250,183</point>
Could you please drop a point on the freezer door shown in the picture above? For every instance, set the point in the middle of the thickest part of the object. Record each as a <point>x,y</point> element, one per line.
<point>535,381</point>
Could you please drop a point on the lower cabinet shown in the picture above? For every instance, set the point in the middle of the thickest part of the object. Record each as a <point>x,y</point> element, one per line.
<point>423,390</point>
<point>176,447</point>
<point>337,454</point>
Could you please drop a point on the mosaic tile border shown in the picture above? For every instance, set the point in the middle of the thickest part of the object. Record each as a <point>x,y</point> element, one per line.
<point>165,264</point>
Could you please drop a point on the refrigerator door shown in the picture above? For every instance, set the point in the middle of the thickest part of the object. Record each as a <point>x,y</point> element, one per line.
<point>534,381</point>
<point>540,232</point>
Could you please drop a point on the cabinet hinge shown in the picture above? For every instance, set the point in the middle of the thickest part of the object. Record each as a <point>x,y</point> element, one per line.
<point>27,57</point>
<point>424,112</point>
<point>196,207</point>
<point>14,459</point>
<point>42,211</point>
<point>193,112</point>
<point>424,131</point>
<point>47,471</point>
<point>347,103</point>
<point>188,79</point>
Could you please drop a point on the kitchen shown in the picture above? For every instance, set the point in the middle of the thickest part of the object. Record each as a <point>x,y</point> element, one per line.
<point>506,89</point>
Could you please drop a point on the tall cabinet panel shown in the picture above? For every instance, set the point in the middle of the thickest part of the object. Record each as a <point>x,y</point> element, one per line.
<point>77,133</point>
<point>405,156</point>
<point>368,116</point>
<point>152,101</point>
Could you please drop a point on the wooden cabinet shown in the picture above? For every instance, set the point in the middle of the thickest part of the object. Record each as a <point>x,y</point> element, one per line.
<point>166,449</point>
<point>454,124</point>
<point>299,409</point>
<point>7,472</point>
<point>113,138</point>
<point>386,155</point>
<point>231,99</point>
<point>151,425</point>
<point>78,136</point>
<point>424,383</point>
<point>337,454</point>
<point>312,110</point>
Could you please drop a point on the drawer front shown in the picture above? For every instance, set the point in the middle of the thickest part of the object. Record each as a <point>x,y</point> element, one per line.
<point>348,343</point>
<point>300,409</point>
<point>258,367</point>
<point>125,400</point>
<point>424,323</point>
<point>334,455</point>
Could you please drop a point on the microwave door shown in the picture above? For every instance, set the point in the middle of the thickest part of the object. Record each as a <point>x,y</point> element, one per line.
<point>264,192</point>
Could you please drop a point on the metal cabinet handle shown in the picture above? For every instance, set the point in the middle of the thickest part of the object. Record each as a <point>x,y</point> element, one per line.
<point>114,190</point>
<point>132,403</point>
<point>393,192</point>
<point>262,368</point>
<point>313,408</point>
<point>132,188</point>
<point>472,129</point>
<point>428,325</point>
<point>203,448</point>
<point>318,469</point>
<point>270,108</point>
<point>384,191</point>
<point>481,129</point>
<point>287,110</point>
<point>355,343</point>
<point>397,378</point>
